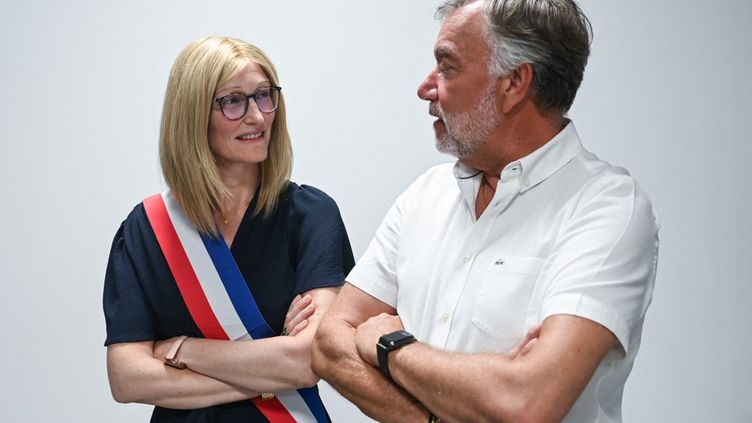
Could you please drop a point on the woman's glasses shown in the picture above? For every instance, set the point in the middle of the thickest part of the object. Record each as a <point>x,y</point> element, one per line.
<point>235,105</point>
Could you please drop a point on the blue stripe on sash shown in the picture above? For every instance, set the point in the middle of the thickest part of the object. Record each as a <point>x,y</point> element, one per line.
<point>236,287</point>
<point>313,401</point>
<point>248,310</point>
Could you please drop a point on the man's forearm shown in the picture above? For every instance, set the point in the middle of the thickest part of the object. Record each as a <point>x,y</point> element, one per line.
<point>451,385</point>
<point>336,359</point>
<point>539,386</point>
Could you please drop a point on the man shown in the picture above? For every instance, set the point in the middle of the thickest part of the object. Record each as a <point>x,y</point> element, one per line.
<point>526,229</point>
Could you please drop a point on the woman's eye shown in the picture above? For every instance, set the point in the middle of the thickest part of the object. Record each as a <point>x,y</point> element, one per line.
<point>232,100</point>
<point>262,93</point>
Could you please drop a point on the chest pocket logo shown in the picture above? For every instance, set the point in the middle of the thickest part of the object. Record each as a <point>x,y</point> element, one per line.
<point>501,307</point>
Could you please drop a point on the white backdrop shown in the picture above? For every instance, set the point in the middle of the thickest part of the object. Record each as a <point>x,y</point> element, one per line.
<point>666,94</point>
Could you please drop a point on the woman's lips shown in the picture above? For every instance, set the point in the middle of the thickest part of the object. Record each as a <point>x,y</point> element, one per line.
<point>251,136</point>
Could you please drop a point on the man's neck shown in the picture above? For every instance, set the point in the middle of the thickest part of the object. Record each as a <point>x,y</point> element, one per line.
<point>517,136</point>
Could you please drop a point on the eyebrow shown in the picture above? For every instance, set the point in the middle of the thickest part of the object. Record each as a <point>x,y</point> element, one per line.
<point>443,52</point>
<point>237,88</point>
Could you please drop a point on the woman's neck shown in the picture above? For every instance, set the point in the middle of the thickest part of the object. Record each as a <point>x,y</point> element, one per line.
<point>241,180</point>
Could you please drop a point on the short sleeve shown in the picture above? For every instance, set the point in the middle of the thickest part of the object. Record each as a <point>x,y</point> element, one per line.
<point>323,251</point>
<point>602,266</point>
<point>376,271</point>
<point>127,314</point>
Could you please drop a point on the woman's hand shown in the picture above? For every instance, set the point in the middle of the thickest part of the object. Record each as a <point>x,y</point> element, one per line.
<point>296,320</point>
<point>527,342</point>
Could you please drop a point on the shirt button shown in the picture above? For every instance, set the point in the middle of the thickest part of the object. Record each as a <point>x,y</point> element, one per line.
<point>444,317</point>
<point>466,259</point>
<point>526,183</point>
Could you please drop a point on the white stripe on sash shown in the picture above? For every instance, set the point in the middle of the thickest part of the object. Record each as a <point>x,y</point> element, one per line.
<point>206,273</point>
<point>295,405</point>
<point>219,300</point>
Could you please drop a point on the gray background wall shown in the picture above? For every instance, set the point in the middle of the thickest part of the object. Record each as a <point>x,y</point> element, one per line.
<point>666,94</point>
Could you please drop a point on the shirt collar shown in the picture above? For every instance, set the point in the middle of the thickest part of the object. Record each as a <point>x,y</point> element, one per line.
<point>538,165</point>
<point>548,159</point>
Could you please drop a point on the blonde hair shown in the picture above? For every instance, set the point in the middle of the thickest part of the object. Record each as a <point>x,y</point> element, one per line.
<point>188,164</point>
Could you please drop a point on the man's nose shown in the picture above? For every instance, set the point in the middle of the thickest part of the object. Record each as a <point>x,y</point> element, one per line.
<point>427,90</point>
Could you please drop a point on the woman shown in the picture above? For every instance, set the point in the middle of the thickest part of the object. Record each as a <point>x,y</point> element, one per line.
<point>222,254</point>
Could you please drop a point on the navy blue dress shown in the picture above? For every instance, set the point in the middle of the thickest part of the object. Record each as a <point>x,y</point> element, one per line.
<point>301,246</point>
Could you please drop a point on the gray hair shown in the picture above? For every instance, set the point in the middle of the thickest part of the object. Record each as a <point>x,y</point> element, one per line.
<point>552,35</point>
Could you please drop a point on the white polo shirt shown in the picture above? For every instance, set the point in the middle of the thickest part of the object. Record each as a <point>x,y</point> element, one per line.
<point>565,233</point>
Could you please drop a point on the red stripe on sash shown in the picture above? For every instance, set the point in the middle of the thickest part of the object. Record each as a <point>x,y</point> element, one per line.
<point>193,295</point>
<point>273,410</point>
<point>181,269</point>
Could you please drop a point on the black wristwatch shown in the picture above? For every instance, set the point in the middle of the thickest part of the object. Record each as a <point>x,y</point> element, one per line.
<point>389,343</point>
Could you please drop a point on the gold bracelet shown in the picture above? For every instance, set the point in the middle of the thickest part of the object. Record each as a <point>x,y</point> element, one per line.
<point>267,396</point>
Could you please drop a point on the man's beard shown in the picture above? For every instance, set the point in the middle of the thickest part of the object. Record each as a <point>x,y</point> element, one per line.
<point>466,132</point>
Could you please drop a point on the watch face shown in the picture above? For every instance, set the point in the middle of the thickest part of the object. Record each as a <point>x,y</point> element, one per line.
<point>396,339</point>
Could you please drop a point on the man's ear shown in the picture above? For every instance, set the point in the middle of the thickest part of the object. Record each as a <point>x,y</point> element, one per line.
<point>514,87</point>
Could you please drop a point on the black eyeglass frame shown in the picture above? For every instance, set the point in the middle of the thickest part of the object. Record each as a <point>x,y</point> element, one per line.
<point>219,100</point>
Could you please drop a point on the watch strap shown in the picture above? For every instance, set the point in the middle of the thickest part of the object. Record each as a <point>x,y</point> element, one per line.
<point>382,354</point>
<point>389,343</point>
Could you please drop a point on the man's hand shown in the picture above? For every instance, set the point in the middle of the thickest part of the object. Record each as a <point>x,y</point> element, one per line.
<point>335,357</point>
<point>368,333</point>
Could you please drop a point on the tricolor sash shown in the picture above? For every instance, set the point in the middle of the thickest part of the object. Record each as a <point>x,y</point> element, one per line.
<point>218,299</point>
